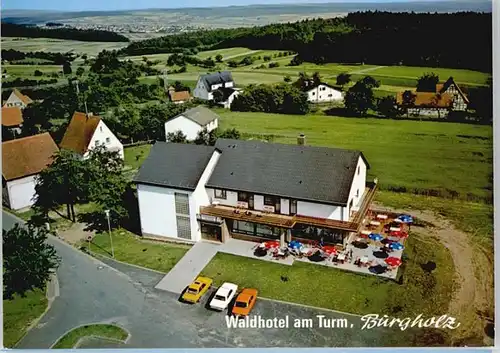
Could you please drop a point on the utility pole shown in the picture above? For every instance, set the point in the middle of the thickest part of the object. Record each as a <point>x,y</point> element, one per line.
<point>110,237</point>
<point>165,79</point>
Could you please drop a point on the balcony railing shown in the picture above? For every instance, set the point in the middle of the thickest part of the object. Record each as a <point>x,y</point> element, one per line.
<point>286,221</point>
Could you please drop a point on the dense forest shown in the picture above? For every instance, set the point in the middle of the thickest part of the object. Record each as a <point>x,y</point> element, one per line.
<point>87,35</point>
<point>51,58</point>
<point>457,40</point>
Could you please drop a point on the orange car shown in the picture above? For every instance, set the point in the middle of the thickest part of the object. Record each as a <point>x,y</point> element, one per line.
<point>245,302</point>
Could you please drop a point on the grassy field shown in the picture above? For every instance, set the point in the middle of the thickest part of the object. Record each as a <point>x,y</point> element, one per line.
<point>99,330</point>
<point>59,45</point>
<point>135,155</point>
<point>134,250</point>
<point>412,156</point>
<point>19,313</point>
<point>28,71</point>
<point>347,291</point>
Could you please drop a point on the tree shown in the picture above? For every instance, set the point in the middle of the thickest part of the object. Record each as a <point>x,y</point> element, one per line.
<point>177,137</point>
<point>232,63</point>
<point>38,73</point>
<point>359,98</point>
<point>387,107</point>
<point>267,58</point>
<point>408,101</point>
<point>128,122</point>
<point>274,64</point>
<point>427,82</point>
<point>230,134</point>
<point>28,261</point>
<point>179,86</point>
<point>343,79</point>
<point>205,137</point>
<point>316,78</point>
<point>67,68</point>
<point>370,82</point>
<point>287,79</point>
<point>296,61</point>
<point>218,58</point>
<point>247,60</point>
<point>80,71</point>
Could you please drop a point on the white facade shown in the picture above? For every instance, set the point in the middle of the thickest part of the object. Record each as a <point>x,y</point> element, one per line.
<point>14,101</point>
<point>358,187</point>
<point>157,206</point>
<point>188,126</point>
<point>19,193</point>
<point>104,136</point>
<point>324,93</point>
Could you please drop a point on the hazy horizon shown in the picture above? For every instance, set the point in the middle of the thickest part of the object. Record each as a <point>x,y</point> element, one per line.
<point>124,5</point>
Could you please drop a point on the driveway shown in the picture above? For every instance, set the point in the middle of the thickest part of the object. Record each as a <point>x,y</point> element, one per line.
<point>92,291</point>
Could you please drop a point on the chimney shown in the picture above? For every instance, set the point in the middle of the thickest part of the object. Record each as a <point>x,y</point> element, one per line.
<point>301,140</point>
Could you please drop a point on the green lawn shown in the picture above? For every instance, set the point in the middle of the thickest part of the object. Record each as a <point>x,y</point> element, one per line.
<point>99,330</point>
<point>135,155</point>
<point>59,45</point>
<point>228,52</point>
<point>19,313</point>
<point>134,250</point>
<point>28,71</point>
<point>432,158</point>
<point>332,288</point>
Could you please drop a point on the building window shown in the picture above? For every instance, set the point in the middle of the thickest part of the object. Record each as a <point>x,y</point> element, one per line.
<point>183,227</point>
<point>293,207</point>
<point>243,197</point>
<point>323,88</point>
<point>100,128</point>
<point>269,201</point>
<point>330,95</point>
<point>97,142</point>
<point>314,93</point>
<point>181,204</point>
<point>357,193</point>
<point>108,140</point>
<point>359,168</point>
<point>220,194</point>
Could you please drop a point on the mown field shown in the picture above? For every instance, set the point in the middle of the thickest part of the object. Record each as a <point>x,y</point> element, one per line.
<point>433,158</point>
<point>58,45</point>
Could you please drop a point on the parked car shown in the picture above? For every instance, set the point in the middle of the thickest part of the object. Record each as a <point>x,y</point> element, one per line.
<point>223,296</point>
<point>245,302</point>
<point>197,289</point>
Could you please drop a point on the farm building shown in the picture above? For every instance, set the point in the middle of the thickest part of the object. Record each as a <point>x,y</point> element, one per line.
<point>323,92</point>
<point>192,121</point>
<point>178,97</point>
<point>17,99</point>
<point>447,97</point>
<point>222,82</point>
<point>22,160</point>
<point>86,131</point>
<point>252,190</point>
<point>12,122</point>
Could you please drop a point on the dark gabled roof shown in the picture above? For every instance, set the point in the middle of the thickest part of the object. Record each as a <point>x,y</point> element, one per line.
<point>175,165</point>
<point>226,92</point>
<point>200,115</point>
<point>216,78</point>
<point>308,173</point>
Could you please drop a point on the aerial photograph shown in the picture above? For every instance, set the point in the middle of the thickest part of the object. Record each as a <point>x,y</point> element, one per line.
<point>247,174</point>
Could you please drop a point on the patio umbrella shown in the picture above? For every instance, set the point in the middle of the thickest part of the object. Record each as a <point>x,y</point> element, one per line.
<point>393,261</point>
<point>405,218</point>
<point>316,257</point>
<point>376,236</point>
<point>329,250</point>
<point>386,241</point>
<point>260,252</point>
<point>396,246</point>
<point>294,244</point>
<point>378,269</point>
<point>380,254</point>
<point>359,244</point>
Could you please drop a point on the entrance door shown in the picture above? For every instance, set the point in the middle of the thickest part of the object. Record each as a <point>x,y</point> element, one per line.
<point>250,202</point>
<point>277,206</point>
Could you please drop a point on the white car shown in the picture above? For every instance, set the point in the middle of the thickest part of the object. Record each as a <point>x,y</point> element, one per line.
<point>223,296</point>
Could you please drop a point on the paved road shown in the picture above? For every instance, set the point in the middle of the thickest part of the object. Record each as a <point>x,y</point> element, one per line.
<point>92,291</point>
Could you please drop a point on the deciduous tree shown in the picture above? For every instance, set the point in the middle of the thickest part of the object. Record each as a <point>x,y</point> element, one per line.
<point>28,261</point>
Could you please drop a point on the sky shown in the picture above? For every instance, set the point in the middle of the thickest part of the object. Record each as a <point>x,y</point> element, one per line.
<point>91,5</point>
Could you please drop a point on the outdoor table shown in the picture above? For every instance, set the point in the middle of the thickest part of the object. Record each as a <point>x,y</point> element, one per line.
<point>381,216</point>
<point>395,229</point>
<point>341,257</point>
<point>364,259</point>
<point>366,232</point>
<point>374,223</point>
<point>305,249</point>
